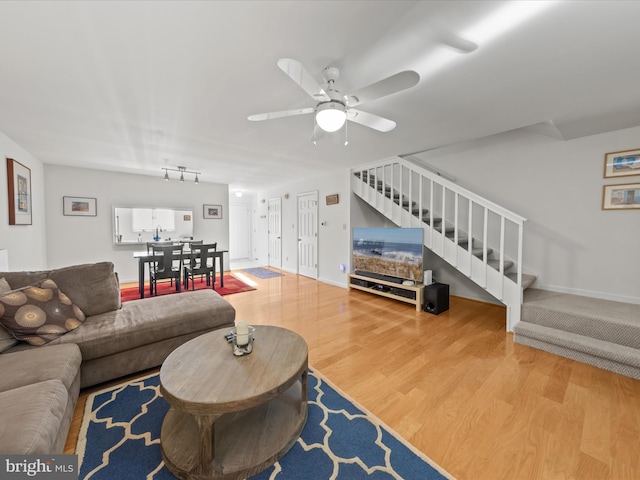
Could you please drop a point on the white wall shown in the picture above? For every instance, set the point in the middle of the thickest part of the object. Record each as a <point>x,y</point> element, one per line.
<point>333,225</point>
<point>74,240</point>
<point>570,242</point>
<point>25,244</point>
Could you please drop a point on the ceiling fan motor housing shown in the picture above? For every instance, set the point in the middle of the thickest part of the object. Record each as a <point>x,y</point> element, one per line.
<point>330,115</point>
<point>330,74</point>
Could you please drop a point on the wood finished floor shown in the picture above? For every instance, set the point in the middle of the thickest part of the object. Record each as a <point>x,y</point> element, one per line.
<point>455,385</point>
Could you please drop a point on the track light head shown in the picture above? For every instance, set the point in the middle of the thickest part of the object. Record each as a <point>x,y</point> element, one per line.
<point>182,171</point>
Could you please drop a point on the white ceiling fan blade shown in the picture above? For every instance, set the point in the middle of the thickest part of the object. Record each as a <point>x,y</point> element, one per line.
<point>394,83</point>
<point>370,120</point>
<point>298,74</point>
<point>286,113</point>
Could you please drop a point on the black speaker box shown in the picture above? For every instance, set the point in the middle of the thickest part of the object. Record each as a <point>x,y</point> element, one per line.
<point>436,298</point>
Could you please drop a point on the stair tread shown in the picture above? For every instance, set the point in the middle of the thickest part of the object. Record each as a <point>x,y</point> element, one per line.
<point>494,263</point>
<point>576,341</point>
<point>527,280</point>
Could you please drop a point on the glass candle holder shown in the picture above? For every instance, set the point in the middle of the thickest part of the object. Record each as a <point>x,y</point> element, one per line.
<point>243,336</point>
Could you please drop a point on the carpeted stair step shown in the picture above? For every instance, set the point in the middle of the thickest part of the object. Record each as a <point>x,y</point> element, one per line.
<point>606,320</point>
<point>387,190</point>
<point>494,263</point>
<point>405,202</point>
<point>463,241</point>
<point>615,357</point>
<point>436,221</point>
<point>527,280</point>
<point>415,211</point>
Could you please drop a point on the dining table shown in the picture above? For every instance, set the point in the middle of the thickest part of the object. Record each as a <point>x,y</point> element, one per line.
<point>145,257</point>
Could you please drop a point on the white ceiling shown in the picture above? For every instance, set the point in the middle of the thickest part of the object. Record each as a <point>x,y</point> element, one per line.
<point>135,86</point>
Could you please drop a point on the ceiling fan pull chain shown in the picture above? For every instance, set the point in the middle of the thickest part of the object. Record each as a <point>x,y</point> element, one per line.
<point>346,133</point>
<point>315,123</point>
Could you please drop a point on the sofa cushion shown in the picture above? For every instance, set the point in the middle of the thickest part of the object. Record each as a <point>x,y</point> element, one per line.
<point>150,320</point>
<point>6,339</point>
<point>39,314</point>
<point>32,417</point>
<point>93,287</point>
<point>23,279</point>
<point>61,362</point>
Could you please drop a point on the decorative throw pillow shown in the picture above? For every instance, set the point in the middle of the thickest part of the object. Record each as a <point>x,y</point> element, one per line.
<point>39,313</point>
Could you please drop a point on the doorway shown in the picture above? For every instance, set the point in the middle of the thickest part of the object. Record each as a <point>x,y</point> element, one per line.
<point>275,232</point>
<point>308,234</point>
<point>239,232</point>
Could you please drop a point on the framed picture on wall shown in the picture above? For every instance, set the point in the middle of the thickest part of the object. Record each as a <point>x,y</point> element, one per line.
<point>622,164</point>
<point>332,199</point>
<point>212,211</point>
<point>19,189</point>
<point>621,197</point>
<point>79,206</point>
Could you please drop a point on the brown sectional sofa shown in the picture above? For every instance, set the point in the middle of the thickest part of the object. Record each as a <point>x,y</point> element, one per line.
<point>39,385</point>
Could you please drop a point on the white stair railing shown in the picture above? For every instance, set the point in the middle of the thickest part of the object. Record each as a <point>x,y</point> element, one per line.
<point>476,236</point>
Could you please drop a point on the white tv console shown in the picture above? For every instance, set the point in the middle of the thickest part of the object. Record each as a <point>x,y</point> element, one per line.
<point>413,294</point>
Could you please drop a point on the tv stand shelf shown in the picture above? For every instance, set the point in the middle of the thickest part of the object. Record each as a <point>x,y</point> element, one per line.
<point>412,294</point>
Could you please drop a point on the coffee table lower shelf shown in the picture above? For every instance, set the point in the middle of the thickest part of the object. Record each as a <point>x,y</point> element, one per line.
<point>244,442</point>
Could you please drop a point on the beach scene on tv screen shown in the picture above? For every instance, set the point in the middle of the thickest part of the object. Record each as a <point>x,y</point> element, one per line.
<point>396,252</point>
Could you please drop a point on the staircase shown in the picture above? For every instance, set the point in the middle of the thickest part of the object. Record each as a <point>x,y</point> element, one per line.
<point>477,237</point>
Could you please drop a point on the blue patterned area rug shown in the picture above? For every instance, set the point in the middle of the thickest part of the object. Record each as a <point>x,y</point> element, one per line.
<point>120,439</point>
<point>262,272</point>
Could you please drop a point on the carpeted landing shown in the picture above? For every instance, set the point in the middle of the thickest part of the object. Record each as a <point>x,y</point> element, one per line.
<point>120,439</point>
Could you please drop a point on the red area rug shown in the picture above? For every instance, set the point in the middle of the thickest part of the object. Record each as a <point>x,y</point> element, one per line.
<point>231,285</point>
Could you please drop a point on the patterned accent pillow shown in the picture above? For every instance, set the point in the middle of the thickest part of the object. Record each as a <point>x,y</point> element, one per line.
<point>6,339</point>
<point>39,313</point>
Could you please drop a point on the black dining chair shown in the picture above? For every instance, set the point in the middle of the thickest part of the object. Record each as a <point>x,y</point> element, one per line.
<point>150,251</point>
<point>201,262</point>
<point>188,243</point>
<point>167,264</point>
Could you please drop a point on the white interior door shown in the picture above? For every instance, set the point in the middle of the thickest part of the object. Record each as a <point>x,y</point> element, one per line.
<point>275,232</point>
<point>239,232</point>
<point>308,234</point>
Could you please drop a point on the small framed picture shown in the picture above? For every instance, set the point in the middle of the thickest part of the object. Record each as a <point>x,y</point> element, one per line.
<point>622,164</point>
<point>79,206</point>
<point>212,211</point>
<point>332,199</point>
<point>621,197</point>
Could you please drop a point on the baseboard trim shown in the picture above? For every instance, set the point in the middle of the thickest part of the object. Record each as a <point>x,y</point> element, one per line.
<point>334,283</point>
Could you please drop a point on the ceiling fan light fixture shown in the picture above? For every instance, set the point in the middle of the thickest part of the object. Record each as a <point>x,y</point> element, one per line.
<point>331,116</point>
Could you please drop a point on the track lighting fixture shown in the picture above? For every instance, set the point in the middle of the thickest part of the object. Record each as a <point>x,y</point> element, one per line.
<point>182,171</point>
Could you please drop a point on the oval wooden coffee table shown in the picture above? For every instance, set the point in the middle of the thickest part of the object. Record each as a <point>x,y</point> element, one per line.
<point>232,417</point>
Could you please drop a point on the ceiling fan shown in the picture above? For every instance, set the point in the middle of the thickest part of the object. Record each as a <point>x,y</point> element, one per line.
<point>333,108</point>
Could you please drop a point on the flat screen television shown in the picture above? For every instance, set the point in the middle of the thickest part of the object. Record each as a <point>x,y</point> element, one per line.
<point>396,252</point>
